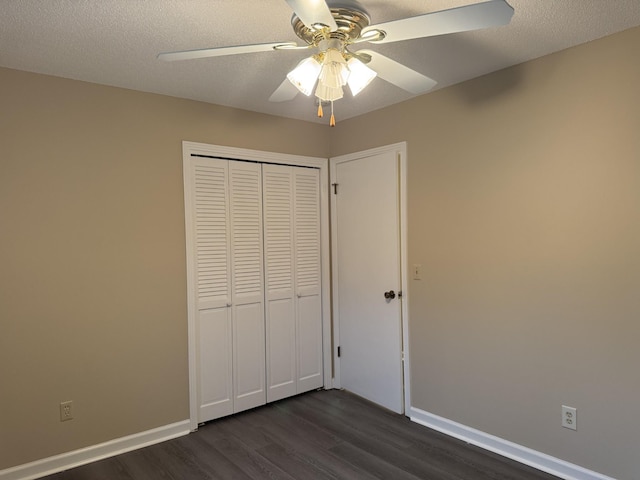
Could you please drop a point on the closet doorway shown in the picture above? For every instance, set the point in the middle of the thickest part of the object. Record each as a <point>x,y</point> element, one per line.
<point>257,277</point>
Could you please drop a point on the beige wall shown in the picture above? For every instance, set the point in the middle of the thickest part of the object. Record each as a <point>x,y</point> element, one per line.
<point>524,211</point>
<point>92,255</point>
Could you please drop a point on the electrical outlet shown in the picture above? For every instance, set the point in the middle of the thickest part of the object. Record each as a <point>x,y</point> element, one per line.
<point>569,417</point>
<point>417,272</point>
<point>66,411</point>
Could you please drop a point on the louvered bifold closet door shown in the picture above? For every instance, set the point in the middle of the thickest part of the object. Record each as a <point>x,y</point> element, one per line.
<point>308,278</point>
<point>292,280</point>
<point>210,224</point>
<point>256,231</point>
<point>247,280</point>
<point>277,185</point>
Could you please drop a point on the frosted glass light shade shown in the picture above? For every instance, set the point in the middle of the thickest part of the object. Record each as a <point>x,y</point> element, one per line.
<point>334,72</point>
<point>305,74</point>
<point>328,94</point>
<point>360,75</point>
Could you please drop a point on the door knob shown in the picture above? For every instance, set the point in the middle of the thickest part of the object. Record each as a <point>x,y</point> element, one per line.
<point>390,295</point>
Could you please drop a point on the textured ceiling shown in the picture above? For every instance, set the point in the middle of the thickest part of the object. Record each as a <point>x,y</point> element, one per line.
<point>115,42</point>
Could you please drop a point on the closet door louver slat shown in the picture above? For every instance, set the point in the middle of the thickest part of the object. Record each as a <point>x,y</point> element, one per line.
<point>211,231</point>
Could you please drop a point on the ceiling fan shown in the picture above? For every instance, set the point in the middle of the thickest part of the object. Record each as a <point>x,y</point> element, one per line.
<point>333,28</point>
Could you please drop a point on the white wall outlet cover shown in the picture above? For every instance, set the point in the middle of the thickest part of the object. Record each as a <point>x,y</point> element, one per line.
<point>569,417</point>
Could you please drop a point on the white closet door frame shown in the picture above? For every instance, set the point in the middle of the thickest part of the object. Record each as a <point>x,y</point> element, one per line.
<point>231,153</point>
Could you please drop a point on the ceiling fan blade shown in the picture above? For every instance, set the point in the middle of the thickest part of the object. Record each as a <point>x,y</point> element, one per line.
<point>286,91</point>
<point>398,74</point>
<point>313,12</point>
<point>492,13</point>
<point>221,51</point>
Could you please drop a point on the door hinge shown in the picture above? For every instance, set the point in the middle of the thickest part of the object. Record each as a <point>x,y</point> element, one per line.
<point>335,188</point>
<point>339,352</point>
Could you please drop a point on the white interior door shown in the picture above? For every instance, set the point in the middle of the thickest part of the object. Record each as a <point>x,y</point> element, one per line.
<point>367,263</point>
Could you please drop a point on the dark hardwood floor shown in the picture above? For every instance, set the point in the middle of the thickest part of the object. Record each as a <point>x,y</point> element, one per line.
<point>318,435</point>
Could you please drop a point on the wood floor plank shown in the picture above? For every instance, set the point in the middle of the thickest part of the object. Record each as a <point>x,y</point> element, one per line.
<point>251,463</point>
<point>372,421</point>
<point>371,464</point>
<point>311,444</point>
<point>366,437</point>
<point>281,421</point>
<point>449,450</point>
<point>140,464</point>
<point>105,470</point>
<point>177,462</point>
<point>443,452</point>
<point>212,462</point>
<point>319,435</point>
<point>303,464</point>
<point>244,427</point>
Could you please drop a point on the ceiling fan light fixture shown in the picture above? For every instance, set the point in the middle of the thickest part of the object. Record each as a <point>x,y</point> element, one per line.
<point>360,75</point>
<point>305,75</point>
<point>332,26</point>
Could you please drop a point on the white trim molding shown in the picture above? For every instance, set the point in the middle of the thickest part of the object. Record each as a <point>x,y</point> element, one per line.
<point>65,461</point>
<point>538,460</point>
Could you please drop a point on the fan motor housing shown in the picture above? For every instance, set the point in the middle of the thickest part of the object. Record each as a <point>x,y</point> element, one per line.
<point>350,18</point>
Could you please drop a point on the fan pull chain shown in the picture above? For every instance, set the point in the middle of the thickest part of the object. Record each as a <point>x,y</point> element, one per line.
<point>332,122</point>
<point>320,113</point>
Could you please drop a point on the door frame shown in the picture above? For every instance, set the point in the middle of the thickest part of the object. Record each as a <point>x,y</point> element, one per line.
<point>400,150</point>
<point>233,153</point>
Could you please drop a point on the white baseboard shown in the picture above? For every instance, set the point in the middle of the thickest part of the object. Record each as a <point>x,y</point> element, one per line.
<point>527,456</point>
<point>65,461</point>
